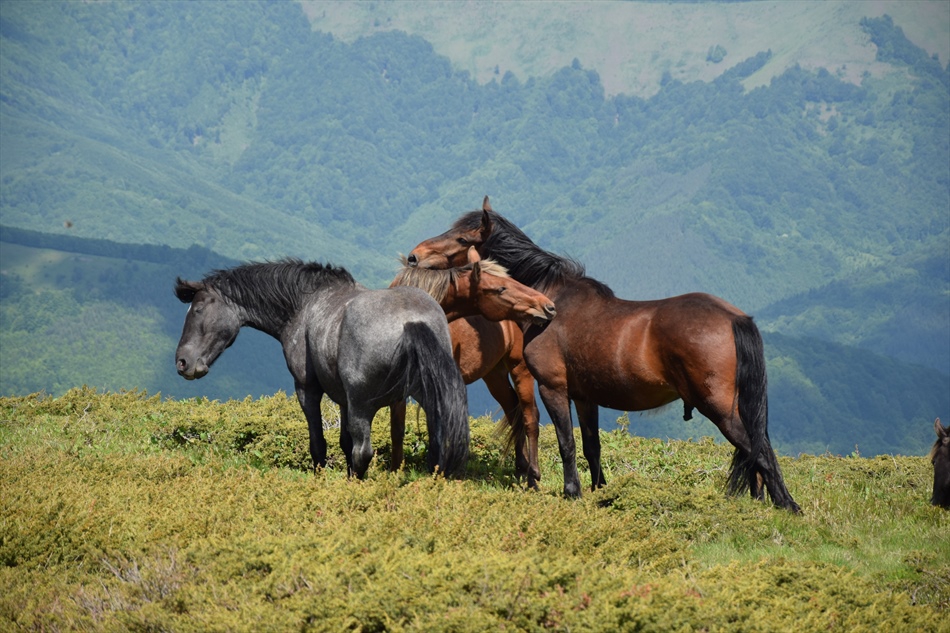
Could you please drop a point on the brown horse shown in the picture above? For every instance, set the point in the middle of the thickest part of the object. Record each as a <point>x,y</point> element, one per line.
<point>629,355</point>
<point>486,346</point>
<point>940,458</point>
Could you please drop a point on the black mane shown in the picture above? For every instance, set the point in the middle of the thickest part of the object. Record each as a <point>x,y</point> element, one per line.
<point>526,261</point>
<point>279,287</point>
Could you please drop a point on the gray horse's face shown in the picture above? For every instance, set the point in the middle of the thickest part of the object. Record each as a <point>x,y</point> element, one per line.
<point>211,325</point>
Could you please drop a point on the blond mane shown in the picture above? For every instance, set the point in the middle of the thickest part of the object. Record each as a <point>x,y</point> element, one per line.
<point>436,281</point>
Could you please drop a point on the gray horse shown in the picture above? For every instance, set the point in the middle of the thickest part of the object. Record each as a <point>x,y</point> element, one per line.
<point>365,349</point>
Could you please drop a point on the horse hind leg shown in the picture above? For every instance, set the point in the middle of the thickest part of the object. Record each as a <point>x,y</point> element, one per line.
<point>758,475</point>
<point>355,440</point>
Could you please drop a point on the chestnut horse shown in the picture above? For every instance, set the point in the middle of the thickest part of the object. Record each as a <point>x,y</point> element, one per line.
<point>628,355</point>
<point>486,349</point>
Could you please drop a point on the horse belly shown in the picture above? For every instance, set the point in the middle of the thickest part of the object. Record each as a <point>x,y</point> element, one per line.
<point>628,378</point>
<point>622,392</point>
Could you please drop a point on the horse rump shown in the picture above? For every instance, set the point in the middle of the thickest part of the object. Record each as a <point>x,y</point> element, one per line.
<point>436,383</point>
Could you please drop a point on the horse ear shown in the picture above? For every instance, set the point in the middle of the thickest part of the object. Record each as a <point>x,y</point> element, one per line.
<point>942,432</point>
<point>473,255</point>
<point>486,227</point>
<point>476,272</point>
<point>185,290</point>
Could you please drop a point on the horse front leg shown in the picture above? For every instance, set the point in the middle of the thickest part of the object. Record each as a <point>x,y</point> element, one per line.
<point>531,417</point>
<point>559,408</point>
<point>397,433</point>
<point>309,398</point>
<point>589,421</point>
<point>498,386</point>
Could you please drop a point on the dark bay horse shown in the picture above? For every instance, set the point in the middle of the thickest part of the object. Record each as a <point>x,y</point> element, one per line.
<point>365,349</point>
<point>629,355</point>
<point>940,458</point>
<point>488,346</point>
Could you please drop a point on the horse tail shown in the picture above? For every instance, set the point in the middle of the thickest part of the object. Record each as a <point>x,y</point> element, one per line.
<point>441,393</point>
<point>511,431</point>
<point>753,405</point>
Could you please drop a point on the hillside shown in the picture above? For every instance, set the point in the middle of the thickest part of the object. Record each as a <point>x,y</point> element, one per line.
<point>102,314</point>
<point>810,190</point>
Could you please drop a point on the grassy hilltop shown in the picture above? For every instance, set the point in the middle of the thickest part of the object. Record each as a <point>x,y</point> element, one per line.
<point>128,512</point>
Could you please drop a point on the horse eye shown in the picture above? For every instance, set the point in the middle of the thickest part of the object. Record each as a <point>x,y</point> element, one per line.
<point>500,290</point>
<point>463,241</point>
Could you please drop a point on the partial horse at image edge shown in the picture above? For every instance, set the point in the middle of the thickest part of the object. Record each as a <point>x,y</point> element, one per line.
<point>940,459</point>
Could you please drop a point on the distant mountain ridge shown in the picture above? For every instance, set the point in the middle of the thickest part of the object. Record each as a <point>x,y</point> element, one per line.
<point>633,45</point>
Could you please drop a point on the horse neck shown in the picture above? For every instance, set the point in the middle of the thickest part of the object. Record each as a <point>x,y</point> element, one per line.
<point>457,301</point>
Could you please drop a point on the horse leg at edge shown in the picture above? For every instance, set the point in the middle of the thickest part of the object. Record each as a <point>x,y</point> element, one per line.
<point>397,433</point>
<point>309,399</point>
<point>589,420</point>
<point>559,408</point>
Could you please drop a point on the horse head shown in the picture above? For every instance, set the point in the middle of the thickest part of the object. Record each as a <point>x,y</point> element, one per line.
<point>211,326</point>
<point>450,249</point>
<point>940,457</point>
<point>498,297</point>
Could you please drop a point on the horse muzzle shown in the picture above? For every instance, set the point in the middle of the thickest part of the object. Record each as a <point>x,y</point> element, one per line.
<point>432,260</point>
<point>199,370</point>
<point>548,313</point>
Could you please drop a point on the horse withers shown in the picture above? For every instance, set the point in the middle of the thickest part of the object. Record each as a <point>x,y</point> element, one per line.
<point>364,349</point>
<point>940,458</point>
<point>628,355</point>
<point>484,307</point>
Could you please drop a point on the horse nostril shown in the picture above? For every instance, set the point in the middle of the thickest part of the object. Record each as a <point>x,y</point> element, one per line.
<point>550,311</point>
<point>412,260</point>
<point>180,365</point>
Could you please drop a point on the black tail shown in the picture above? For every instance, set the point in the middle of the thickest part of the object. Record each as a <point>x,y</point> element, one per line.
<point>752,388</point>
<point>438,387</point>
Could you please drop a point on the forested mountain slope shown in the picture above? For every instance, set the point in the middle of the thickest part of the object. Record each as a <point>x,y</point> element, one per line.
<point>814,198</point>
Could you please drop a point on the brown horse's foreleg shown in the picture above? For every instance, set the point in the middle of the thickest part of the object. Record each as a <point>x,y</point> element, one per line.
<point>559,408</point>
<point>501,390</point>
<point>397,433</point>
<point>588,419</point>
<point>531,418</point>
